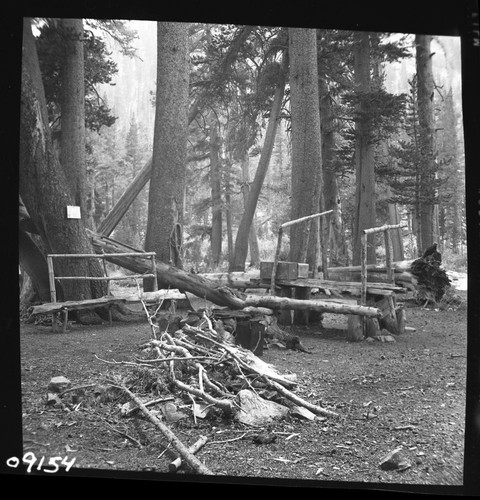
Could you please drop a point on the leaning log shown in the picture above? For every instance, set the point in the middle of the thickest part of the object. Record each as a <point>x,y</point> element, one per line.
<point>174,278</point>
<point>168,276</point>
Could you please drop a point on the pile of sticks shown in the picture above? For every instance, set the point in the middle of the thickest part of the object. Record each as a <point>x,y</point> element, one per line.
<point>203,363</point>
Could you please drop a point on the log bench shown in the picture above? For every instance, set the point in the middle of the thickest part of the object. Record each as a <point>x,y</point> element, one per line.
<point>108,301</point>
<point>336,291</point>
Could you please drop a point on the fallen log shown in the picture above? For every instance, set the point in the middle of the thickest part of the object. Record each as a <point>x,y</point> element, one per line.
<point>168,276</point>
<point>311,305</point>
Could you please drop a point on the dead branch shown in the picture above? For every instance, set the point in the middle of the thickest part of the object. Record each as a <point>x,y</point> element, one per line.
<point>298,400</point>
<point>183,451</point>
<point>177,463</point>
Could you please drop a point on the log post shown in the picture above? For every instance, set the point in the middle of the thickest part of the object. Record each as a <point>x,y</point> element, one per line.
<point>51,279</point>
<point>302,317</point>
<point>275,262</point>
<point>388,256</point>
<point>401,317</point>
<point>363,260</point>
<point>285,315</point>
<point>53,293</point>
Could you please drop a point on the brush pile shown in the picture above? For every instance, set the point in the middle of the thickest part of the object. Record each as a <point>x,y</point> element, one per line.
<point>202,360</point>
<point>195,362</point>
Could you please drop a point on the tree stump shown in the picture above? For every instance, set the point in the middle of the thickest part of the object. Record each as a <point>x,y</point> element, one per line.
<point>355,328</point>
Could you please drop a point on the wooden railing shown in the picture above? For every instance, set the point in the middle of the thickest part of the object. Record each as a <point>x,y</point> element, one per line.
<point>108,279</point>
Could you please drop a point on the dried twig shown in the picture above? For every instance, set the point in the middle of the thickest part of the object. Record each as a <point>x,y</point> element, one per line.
<point>179,446</point>
<point>298,400</point>
<point>177,463</point>
<point>128,363</point>
<point>229,440</point>
<point>150,403</point>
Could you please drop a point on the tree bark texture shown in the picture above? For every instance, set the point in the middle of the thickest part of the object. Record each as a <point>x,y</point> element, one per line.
<point>252,235</point>
<point>426,138</point>
<point>43,184</point>
<point>396,234</point>
<point>141,179</point>
<point>335,236</point>
<point>365,212</point>
<point>72,103</point>
<point>216,193</point>
<point>33,262</point>
<point>241,240</point>
<point>165,204</point>
<point>306,140</point>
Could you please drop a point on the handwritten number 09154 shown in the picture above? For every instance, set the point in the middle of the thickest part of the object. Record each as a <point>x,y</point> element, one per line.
<point>52,465</point>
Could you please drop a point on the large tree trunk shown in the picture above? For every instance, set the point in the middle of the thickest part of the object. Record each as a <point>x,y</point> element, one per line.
<point>252,235</point>
<point>241,240</point>
<point>306,140</point>
<point>426,138</point>
<point>72,104</point>
<point>228,212</point>
<point>72,144</point>
<point>335,235</point>
<point>118,211</point>
<point>216,188</point>
<point>365,213</point>
<point>396,234</point>
<point>165,205</point>
<point>43,183</point>
<point>33,262</point>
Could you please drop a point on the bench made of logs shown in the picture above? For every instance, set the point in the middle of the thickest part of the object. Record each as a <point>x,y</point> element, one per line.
<point>302,288</point>
<point>74,305</point>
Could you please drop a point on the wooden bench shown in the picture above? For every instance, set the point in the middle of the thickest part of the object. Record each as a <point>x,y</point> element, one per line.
<point>108,301</point>
<point>335,290</point>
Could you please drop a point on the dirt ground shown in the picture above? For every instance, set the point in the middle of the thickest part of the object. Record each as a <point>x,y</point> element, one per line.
<point>407,394</point>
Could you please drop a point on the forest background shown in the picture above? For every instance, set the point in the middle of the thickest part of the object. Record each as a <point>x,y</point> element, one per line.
<point>119,151</point>
<point>239,86</point>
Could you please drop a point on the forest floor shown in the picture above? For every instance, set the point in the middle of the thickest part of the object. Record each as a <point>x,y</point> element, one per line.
<point>407,394</point>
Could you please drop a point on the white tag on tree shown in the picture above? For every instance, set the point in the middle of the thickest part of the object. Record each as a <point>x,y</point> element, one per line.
<point>73,212</point>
